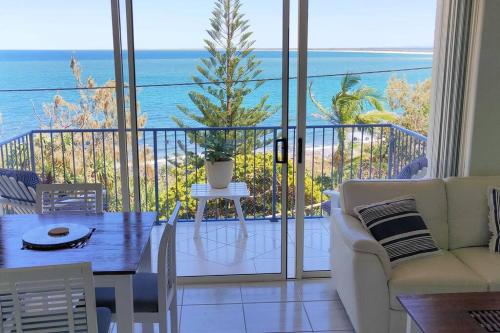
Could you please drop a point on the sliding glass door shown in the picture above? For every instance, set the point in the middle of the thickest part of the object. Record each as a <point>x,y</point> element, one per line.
<point>214,74</point>
<point>364,73</point>
<point>60,97</point>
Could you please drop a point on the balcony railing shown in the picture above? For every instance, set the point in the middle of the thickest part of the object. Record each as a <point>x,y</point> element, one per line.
<point>170,160</point>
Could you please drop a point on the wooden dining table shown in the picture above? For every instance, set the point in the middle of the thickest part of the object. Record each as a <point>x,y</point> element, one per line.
<point>118,248</point>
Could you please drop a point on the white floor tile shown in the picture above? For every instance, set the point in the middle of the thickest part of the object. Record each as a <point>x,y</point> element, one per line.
<point>197,268</point>
<point>202,267</point>
<point>317,239</point>
<point>197,247</point>
<point>212,294</point>
<point>229,255</point>
<point>327,315</point>
<point>222,249</point>
<point>211,268</point>
<point>226,235</point>
<point>220,318</point>
<point>261,307</point>
<point>276,317</point>
<point>315,253</point>
<point>259,243</point>
<point>272,254</point>
<point>317,264</point>
<point>263,266</point>
<point>270,292</point>
<point>273,266</point>
<point>317,290</point>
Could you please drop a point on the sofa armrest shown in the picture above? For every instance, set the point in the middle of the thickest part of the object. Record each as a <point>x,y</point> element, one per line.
<point>356,237</point>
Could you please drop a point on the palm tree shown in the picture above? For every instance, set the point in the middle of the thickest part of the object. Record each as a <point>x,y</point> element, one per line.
<point>349,106</point>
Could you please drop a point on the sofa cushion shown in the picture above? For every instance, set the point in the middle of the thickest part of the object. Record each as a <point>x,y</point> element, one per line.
<point>468,210</point>
<point>429,194</point>
<point>397,225</point>
<point>483,262</point>
<point>437,274</point>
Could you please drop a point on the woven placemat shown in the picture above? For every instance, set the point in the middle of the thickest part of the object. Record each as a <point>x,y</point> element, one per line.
<point>488,319</point>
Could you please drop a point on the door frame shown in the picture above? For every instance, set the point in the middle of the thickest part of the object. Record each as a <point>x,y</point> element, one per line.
<point>300,141</point>
<point>120,103</point>
<point>302,95</point>
<point>285,96</point>
<point>284,135</point>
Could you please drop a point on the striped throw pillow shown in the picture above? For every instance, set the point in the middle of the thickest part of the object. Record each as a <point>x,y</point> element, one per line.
<point>494,218</point>
<point>398,227</point>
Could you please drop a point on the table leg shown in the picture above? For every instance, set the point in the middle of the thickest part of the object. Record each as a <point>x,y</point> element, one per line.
<point>198,217</point>
<point>124,304</point>
<point>241,217</point>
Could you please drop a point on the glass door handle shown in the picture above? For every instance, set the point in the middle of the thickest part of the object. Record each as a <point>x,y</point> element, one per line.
<point>299,150</point>
<point>284,151</point>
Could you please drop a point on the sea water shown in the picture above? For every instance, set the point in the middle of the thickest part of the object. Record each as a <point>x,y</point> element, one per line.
<point>33,70</point>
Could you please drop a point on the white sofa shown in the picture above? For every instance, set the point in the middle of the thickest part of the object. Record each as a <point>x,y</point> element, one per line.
<point>456,213</point>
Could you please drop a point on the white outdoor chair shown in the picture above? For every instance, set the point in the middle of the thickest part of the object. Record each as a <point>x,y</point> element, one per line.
<point>50,299</point>
<point>154,293</point>
<point>16,195</point>
<point>68,198</point>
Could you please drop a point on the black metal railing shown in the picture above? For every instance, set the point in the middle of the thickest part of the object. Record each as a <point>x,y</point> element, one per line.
<point>170,161</point>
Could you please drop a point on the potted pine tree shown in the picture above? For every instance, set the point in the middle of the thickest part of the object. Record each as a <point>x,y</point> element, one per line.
<point>218,160</point>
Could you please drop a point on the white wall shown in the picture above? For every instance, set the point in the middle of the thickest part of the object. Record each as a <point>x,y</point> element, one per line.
<point>484,149</point>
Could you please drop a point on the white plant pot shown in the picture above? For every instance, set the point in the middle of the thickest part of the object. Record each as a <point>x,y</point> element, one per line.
<point>219,174</point>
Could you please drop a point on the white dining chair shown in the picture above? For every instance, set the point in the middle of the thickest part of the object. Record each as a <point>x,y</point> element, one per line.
<point>155,294</point>
<point>50,299</point>
<point>68,198</point>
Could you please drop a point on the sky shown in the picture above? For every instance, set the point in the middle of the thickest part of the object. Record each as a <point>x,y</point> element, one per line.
<point>182,24</point>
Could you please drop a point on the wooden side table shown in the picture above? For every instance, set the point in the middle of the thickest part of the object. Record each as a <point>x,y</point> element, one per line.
<point>204,192</point>
<point>451,313</point>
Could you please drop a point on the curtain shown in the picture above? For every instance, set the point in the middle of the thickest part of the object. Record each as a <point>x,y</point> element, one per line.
<point>455,20</point>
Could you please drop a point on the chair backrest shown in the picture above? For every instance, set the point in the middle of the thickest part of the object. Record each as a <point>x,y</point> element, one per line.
<point>167,274</point>
<point>16,192</point>
<point>18,186</point>
<point>48,299</point>
<point>68,198</point>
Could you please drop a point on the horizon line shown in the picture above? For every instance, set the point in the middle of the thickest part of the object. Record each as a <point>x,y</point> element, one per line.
<point>402,48</point>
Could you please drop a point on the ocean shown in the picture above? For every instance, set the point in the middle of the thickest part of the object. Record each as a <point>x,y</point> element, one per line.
<point>22,70</point>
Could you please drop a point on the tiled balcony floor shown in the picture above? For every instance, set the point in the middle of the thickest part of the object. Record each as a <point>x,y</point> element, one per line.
<point>221,248</point>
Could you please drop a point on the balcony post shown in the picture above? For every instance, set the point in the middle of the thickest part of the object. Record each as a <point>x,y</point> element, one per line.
<point>391,152</point>
<point>32,151</point>
<point>155,157</point>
